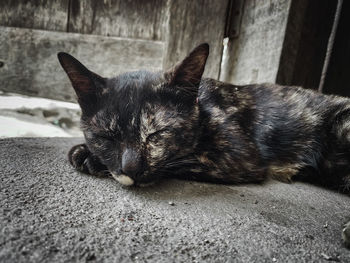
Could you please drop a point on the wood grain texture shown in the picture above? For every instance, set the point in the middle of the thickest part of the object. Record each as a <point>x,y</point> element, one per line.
<point>194,22</point>
<point>234,18</point>
<point>253,57</point>
<point>337,78</point>
<point>30,65</point>
<point>37,14</point>
<point>133,19</point>
<point>304,48</point>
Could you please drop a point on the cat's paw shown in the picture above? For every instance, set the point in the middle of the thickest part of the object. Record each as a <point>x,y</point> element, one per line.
<point>82,160</point>
<point>346,234</point>
<point>77,155</point>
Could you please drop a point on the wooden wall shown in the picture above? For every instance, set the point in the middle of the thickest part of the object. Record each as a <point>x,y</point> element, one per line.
<point>305,45</point>
<point>192,23</point>
<point>285,42</point>
<point>337,81</point>
<point>38,14</point>
<point>109,36</point>
<point>31,66</point>
<point>130,19</point>
<point>281,41</point>
<point>253,56</point>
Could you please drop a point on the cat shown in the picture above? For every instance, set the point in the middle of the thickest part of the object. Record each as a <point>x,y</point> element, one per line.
<point>142,126</point>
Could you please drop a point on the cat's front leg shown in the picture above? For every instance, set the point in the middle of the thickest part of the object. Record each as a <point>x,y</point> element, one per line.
<point>84,161</point>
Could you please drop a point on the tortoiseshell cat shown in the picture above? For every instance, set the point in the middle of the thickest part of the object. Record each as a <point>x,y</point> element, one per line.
<point>141,126</point>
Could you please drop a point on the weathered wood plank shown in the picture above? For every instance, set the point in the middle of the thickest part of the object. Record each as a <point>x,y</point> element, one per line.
<point>38,14</point>
<point>194,22</point>
<point>233,19</point>
<point>132,19</point>
<point>337,78</point>
<point>309,26</point>
<point>30,65</point>
<point>255,54</point>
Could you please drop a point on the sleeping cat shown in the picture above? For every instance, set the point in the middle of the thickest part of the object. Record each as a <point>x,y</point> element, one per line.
<point>142,126</point>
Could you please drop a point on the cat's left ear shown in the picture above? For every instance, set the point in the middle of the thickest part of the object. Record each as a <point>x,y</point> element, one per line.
<point>188,73</point>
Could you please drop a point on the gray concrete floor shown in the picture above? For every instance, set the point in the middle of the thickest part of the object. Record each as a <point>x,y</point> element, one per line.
<point>51,213</point>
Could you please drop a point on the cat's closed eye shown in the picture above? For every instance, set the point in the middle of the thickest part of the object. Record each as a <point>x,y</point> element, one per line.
<point>157,135</point>
<point>105,137</point>
<point>103,140</point>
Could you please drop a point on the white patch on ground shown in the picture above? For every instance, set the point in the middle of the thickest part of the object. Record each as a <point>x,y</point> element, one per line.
<point>24,116</point>
<point>19,101</point>
<point>11,127</point>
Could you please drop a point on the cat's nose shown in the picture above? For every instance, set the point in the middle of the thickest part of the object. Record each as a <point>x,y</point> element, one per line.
<point>131,163</point>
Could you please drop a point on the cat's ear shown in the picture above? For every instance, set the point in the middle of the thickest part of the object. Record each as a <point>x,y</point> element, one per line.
<point>87,85</point>
<point>188,72</point>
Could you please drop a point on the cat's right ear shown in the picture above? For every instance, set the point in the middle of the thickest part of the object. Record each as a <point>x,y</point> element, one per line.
<point>87,85</point>
<point>188,73</point>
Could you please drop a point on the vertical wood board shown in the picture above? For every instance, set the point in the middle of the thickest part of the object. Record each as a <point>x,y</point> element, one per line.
<point>309,26</point>
<point>337,78</point>
<point>38,14</point>
<point>132,19</point>
<point>192,23</point>
<point>253,57</point>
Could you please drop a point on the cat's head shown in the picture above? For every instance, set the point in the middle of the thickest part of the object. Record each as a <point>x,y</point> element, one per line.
<point>141,125</point>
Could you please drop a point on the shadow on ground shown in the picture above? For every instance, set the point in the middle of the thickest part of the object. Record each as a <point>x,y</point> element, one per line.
<point>51,213</point>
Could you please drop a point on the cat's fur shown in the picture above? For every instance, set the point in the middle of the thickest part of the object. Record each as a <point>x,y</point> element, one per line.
<point>141,126</point>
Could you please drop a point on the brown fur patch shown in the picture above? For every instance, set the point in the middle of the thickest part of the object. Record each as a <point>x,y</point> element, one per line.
<point>283,172</point>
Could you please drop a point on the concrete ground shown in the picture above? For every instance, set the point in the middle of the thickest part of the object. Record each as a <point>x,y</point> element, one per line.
<point>51,213</point>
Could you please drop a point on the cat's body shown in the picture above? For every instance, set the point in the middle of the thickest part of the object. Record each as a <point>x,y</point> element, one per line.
<point>142,126</point>
<point>255,130</point>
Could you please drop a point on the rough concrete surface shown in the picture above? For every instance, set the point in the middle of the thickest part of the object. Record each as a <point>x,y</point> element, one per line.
<point>51,213</point>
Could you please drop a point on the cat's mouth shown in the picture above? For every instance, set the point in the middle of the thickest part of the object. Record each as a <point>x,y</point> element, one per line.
<point>123,179</point>
<point>128,181</point>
